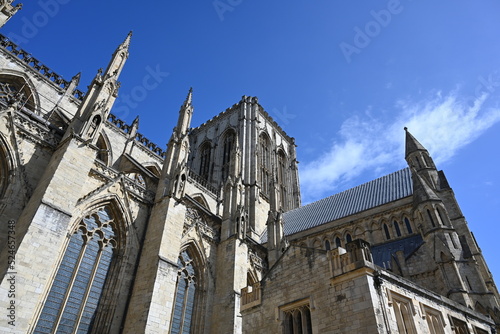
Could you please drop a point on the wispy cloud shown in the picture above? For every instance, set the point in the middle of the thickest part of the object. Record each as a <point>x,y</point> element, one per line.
<point>443,124</point>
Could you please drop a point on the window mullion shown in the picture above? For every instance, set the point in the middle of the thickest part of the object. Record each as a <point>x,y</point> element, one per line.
<point>89,286</point>
<point>184,306</point>
<point>71,283</point>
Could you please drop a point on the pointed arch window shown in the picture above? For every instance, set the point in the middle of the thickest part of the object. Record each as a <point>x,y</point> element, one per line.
<point>184,302</point>
<point>77,287</point>
<point>430,218</point>
<point>102,150</point>
<point>338,243</point>
<point>205,160</point>
<point>297,320</point>
<point>229,139</point>
<point>396,227</point>
<point>408,226</point>
<point>14,88</point>
<point>265,163</point>
<point>282,179</point>
<point>348,238</point>
<point>4,171</point>
<point>387,233</point>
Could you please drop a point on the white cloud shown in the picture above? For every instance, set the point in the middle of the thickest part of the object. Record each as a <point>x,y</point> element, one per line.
<point>443,124</point>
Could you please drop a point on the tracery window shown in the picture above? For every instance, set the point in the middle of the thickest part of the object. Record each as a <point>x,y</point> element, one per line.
<point>77,287</point>
<point>265,163</point>
<point>434,321</point>
<point>184,301</point>
<point>403,310</point>
<point>205,160</point>
<point>459,326</point>
<point>226,154</point>
<point>297,320</point>
<point>15,88</point>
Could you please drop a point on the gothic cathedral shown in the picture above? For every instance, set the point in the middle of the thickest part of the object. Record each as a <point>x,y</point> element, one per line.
<point>102,231</point>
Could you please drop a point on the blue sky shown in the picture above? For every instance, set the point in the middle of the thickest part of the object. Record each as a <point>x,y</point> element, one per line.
<point>341,77</point>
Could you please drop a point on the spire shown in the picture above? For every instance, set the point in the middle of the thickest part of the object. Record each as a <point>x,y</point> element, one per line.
<point>101,95</point>
<point>126,42</point>
<point>76,78</point>
<point>412,144</point>
<point>185,114</point>
<point>422,191</point>
<point>134,127</point>
<point>189,98</point>
<point>118,59</point>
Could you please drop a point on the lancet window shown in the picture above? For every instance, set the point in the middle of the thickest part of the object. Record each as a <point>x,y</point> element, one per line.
<point>78,284</point>
<point>184,303</point>
<point>434,321</point>
<point>282,178</point>
<point>265,163</point>
<point>229,139</point>
<point>4,171</point>
<point>297,320</point>
<point>205,160</point>
<point>403,310</point>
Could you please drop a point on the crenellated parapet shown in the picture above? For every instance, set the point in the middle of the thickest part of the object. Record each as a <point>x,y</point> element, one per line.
<point>27,59</point>
<point>356,255</point>
<point>139,137</point>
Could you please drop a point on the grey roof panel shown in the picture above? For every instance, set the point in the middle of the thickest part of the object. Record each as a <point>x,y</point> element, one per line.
<point>380,191</point>
<point>382,254</point>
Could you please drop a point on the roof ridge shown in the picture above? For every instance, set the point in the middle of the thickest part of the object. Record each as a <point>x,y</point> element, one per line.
<point>351,189</point>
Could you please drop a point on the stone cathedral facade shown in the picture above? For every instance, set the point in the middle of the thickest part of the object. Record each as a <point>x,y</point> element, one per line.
<point>102,231</point>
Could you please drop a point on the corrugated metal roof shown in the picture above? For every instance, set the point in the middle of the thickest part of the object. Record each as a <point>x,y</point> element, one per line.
<point>380,191</point>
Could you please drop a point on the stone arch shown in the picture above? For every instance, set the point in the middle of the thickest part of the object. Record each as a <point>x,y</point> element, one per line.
<point>227,142</point>
<point>205,159</point>
<point>200,198</point>
<point>13,81</point>
<point>317,243</point>
<point>194,250</point>
<point>407,224</point>
<point>104,152</point>
<point>347,236</point>
<point>6,167</point>
<point>358,233</point>
<point>98,236</point>
<point>337,241</point>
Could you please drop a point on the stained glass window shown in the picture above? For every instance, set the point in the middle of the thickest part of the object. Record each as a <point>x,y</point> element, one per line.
<point>185,295</point>
<point>77,287</point>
